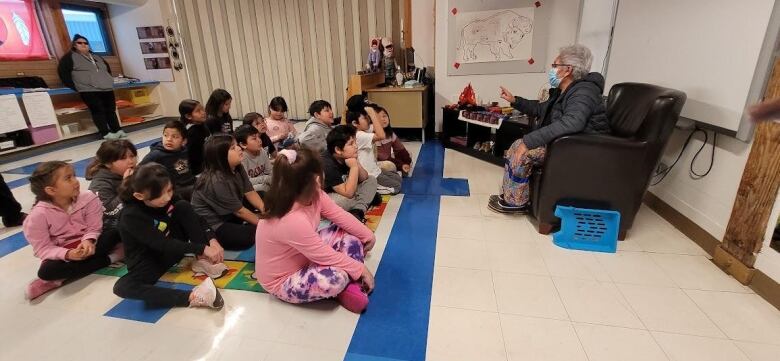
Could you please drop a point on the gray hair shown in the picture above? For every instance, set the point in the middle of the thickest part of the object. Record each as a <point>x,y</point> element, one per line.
<point>579,57</point>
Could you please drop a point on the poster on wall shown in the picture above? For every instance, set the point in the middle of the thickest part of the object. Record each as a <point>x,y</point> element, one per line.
<point>20,33</point>
<point>154,47</point>
<point>497,36</point>
<point>155,53</point>
<point>150,32</point>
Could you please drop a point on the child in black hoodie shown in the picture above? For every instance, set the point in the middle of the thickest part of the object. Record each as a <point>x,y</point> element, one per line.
<point>193,114</point>
<point>172,154</point>
<point>157,231</point>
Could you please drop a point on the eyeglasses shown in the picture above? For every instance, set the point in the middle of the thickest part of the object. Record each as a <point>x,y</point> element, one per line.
<point>82,42</point>
<point>554,65</point>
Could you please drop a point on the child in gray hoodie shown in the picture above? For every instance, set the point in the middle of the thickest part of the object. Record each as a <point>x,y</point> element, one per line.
<point>114,161</point>
<point>317,127</point>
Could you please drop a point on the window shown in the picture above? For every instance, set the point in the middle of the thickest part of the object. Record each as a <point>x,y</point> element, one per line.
<point>20,32</point>
<point>88,22</point>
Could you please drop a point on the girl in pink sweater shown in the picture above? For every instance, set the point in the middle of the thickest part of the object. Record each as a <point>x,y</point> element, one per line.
<point>295,262</point>
<point>280,129</point>
<point>64,229</point>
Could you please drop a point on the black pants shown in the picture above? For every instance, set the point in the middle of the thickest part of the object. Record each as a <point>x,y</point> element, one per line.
<point>236,235</point>
<point>139,281</point>
<point>52,270</point>
<point>10,209</point>
<point>102,106</point>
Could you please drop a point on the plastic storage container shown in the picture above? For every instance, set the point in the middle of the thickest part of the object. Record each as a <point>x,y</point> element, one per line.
<point>587,229</point>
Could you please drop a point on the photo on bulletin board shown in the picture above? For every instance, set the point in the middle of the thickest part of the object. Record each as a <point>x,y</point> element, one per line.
<point>150,32</point>
<point>154,47</point>
<point>157,63</point>
<point>497,36</point>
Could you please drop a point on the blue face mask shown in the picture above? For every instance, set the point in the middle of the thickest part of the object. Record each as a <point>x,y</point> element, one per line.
<point>553,78</point>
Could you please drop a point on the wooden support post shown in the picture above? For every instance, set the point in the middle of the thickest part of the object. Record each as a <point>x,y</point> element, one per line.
<point>755,196</point>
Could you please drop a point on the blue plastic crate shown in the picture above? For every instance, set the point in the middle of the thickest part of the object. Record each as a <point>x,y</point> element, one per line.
<point>587,229</point>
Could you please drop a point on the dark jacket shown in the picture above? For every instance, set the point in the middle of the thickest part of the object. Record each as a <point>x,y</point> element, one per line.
<point>196,139</point>
<point>580,109</point>
<point>66,66</point>
<point>223,124</point>
<point>146,234</point>
<point>106,184</point>
<point>175,161</point>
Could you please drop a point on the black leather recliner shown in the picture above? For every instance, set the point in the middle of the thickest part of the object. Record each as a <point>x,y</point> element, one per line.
<point>608,171</point>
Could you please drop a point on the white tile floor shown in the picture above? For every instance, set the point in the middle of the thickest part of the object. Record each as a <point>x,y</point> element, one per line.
<point>500,292</point>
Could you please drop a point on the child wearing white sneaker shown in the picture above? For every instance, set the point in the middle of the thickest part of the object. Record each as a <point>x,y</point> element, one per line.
<point>157,232</point>
<point>64,229</point>
<point>295,262</point>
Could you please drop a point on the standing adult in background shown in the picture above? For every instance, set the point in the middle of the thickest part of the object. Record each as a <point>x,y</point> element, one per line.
<point>90,76</point>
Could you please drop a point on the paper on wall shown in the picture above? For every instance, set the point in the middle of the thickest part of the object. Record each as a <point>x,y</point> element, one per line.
<point>11,117</point>
<point>40,109</point>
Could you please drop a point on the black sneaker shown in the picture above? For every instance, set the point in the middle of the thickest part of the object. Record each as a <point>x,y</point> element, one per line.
<point>502,207</point>
<point>360,215</point>
<point>8,223</point>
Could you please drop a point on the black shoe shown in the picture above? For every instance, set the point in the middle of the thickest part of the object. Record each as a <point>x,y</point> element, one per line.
<point>377,200</point>
<point>8,223</point>
<point>502,207</point>
<point>360,215</point>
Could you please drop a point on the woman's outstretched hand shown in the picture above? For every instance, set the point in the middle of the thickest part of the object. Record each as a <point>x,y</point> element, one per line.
<point>507,95</point>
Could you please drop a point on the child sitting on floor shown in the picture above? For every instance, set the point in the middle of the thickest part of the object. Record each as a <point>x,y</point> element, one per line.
<point>194,116</point>
<point>114,161</point>
<point>369,132</point>
<point>391,155</point>
<point>345,181</point>
<point>317,127</point>
<point>218,112</point>
<point>255,161</point>
<point>258,121</point>
<point>221,190</point>
<point>296,263</point>
<point>64,229</point>
<point>172,154</point>
<point>157,232</point>
<point>280,129</point>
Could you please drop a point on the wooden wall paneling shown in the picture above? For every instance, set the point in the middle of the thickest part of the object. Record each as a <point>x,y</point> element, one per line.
<point>380,18</point>
<point>239,72</point>
<point>338,103</point>
<point>326,30</point>
<point>364,34</point>
<point>370,18</point>
<point>46,69</point>
<point>266,53</point>
<point>204,12</point>
<point>246,8</point>
<point>407,16</point>
<point>355,32</point>
<point>306,49</point>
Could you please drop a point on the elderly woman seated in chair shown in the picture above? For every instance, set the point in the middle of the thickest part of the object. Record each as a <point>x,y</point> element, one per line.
<point>575,105</point>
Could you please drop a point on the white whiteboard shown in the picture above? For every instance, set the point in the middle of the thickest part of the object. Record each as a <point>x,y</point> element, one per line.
<point>707,48</point>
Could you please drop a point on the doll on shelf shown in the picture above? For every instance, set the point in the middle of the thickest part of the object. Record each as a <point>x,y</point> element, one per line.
<point>374,55</point>
<point>389,65</point>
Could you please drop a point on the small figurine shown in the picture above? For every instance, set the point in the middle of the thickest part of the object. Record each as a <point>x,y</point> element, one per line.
<point>389,65</point>
<point>374,55</point>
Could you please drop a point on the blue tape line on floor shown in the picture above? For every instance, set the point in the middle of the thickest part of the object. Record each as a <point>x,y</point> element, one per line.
<point>12,244</point>
<point>395,326</point>
<point>136,310</point>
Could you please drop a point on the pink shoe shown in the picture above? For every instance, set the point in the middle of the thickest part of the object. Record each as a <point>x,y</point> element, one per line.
<point>38,287</point>
<point>353,298</point>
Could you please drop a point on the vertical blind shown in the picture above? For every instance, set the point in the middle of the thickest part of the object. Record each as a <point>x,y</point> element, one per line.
<point>303,50</point>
